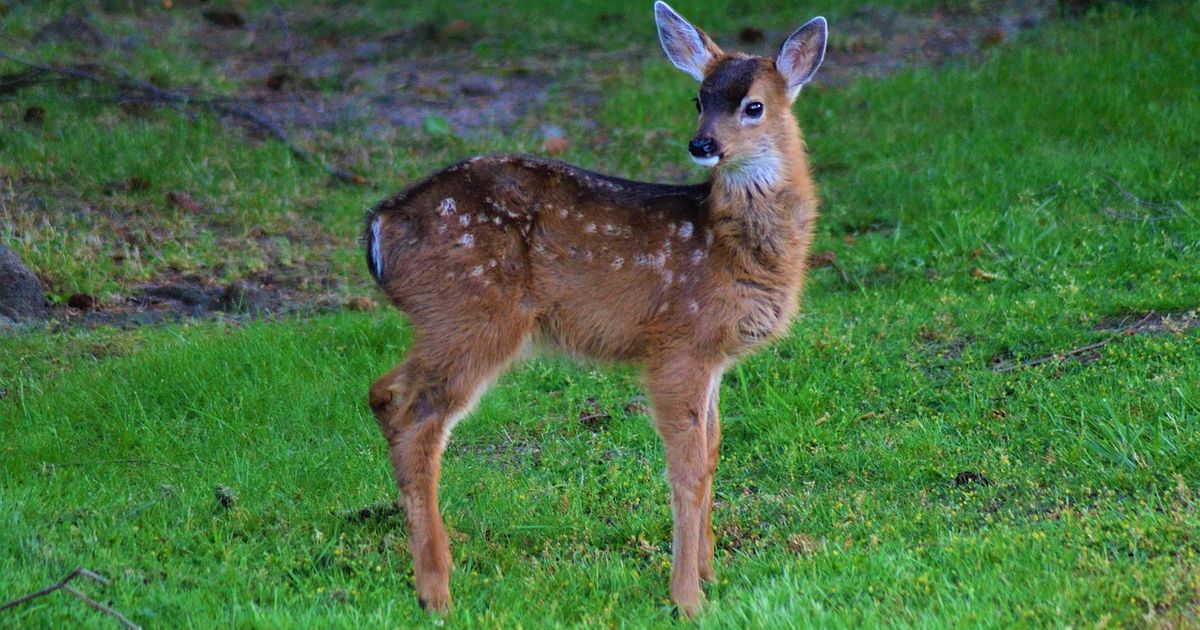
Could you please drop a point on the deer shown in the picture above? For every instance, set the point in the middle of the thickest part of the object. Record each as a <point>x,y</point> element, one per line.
<point>493,256</point>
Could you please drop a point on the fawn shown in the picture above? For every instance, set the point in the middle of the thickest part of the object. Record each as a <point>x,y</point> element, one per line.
<point>492,254</point>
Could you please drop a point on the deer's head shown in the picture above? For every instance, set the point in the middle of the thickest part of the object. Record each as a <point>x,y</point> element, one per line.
<point>745,101</point>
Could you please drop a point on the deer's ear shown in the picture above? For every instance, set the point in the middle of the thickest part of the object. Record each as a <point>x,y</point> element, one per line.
<point>686,46</point>
<point>801,54</point>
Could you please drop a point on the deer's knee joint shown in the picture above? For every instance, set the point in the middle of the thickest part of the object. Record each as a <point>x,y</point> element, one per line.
<point>687,479</point>
<point>384,394</point>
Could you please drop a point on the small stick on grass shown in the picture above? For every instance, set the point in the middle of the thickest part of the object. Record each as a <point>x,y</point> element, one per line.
<point>101,462</point>
<point>1162,211</point>
<point>1012,367</point>
<point>134,90</point>
<point>64,584</point>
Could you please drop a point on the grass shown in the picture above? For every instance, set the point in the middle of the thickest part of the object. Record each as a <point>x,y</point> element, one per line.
<point>974,219</point>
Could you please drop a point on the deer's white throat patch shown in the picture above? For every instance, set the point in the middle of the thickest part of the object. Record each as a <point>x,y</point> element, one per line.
<point>760,169</point>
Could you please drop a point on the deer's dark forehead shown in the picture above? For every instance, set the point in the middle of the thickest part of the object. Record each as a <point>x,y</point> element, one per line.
<point>725,87</point>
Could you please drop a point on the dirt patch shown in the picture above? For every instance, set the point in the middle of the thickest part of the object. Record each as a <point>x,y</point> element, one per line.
<point>377,512</point>
<point>275,267</point>
<point>418,76</point>
<point>1152,322</point>
<point>877,41</point>
<point>969,479</point>
<point>881,41</point>
<point>194,297</point>
<point>309,82</point>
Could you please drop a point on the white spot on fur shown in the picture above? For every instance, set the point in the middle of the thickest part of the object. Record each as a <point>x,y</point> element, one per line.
<point>611,229</point>
<point>481,217</point>
<point>685,230</point>
<point>693,307</point>
<point>477,271</point>
<point>441,228</point>
<point>447,207</point>
<point>668,277</point>
<point>589,228</point>
<point>618,262</point>
<point>656,261</point>
<point>467,240</point>
<point>696,257</point>
<point>563,212</point>
<point>491,262</point>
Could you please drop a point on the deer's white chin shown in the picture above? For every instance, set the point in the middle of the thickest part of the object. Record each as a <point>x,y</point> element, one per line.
<point>707,161</point>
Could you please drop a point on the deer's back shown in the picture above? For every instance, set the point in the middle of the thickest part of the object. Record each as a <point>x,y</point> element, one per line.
<point>608,268</point>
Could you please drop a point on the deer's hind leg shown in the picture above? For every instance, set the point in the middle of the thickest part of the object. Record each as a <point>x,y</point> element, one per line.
<point>417,404</point>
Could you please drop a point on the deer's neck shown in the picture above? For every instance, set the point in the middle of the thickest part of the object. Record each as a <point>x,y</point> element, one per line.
<point>763,206</point>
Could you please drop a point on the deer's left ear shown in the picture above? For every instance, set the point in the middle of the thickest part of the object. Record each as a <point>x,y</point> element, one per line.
<point>686,46</point>
<point>801,54</point>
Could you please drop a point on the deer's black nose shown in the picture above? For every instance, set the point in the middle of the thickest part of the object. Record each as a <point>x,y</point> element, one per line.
<point>702,147</point>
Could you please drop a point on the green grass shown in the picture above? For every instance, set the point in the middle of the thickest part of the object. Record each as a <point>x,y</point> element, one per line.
<point>973,220</point>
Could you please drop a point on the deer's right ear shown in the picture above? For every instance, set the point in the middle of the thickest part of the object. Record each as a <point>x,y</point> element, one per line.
<point>686,46</point>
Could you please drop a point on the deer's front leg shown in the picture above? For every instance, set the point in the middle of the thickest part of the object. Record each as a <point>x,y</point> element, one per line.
<point>679,391</point>
<point>712,437</point>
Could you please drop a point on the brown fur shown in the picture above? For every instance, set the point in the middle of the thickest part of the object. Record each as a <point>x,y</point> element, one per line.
<point>491,255</point>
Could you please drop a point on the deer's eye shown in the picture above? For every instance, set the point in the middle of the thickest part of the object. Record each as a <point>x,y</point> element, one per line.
<point>753,110</point>
<point>696,100</point>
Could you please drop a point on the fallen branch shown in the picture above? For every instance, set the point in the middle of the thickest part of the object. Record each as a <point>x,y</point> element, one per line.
<point>64,584</point>
<point>1162,211</point>
<point>103,462</point>
<point>1062,356</point>
<point>288,46</point>
<point>137,91</point>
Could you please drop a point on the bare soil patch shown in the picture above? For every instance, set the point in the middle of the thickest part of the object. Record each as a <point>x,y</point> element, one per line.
<point>879,41</point>
<point>1153,322</point>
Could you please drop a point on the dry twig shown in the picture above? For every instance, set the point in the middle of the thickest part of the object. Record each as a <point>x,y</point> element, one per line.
<point>1161,211</point>
<point>64,584</point>
<point>102,462</point>
<point>1062,356</point>
<point>134,90</point>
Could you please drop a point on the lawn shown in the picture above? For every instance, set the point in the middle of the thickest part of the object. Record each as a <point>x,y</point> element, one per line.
<point>987,414</point>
